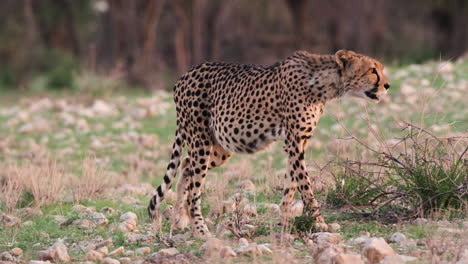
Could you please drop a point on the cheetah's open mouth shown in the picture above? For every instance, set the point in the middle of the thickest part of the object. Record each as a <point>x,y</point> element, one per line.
<point>371,95</point>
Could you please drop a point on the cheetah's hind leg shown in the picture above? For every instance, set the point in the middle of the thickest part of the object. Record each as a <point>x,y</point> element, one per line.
<point>180,215</point>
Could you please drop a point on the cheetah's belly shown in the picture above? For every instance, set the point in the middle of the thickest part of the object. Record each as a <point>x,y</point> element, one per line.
<point>249,144</point>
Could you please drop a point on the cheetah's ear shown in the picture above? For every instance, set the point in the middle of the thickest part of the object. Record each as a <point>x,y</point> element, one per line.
<point>344,58</point>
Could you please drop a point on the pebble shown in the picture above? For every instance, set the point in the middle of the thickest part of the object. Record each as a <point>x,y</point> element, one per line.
<point>143,251</point>
<point>110,261</point>
<point>117,251</point>
<point>93,255</point>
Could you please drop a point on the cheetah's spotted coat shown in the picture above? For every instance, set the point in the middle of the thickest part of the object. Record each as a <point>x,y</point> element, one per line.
<point>225,108</point>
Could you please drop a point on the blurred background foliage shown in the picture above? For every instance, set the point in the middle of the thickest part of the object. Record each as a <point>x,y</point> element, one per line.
<point>148,43</point>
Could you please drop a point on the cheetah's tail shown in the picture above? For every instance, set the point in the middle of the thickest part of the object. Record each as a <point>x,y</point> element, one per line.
<point>168,178</point>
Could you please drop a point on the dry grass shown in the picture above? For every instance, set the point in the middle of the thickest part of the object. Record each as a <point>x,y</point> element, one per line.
<point>92,183</point>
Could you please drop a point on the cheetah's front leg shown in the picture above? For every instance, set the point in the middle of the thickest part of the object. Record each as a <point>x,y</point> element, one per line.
<point>298,178</point>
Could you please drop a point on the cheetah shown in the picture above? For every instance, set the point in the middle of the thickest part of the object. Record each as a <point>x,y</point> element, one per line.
<point>225,108</point>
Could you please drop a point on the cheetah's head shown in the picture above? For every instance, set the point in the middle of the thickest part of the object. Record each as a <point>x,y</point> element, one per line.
<point>362,76</point>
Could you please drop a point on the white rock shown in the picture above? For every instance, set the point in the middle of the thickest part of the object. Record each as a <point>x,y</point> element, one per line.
<point>376,249</point>
<point>103,250</point>
<point>8,221</point>
<point>129,253</point>
<point>243,241</point>
<point>125,260</point>
<point>360,241</point>
<point>5,256</point>
<point>39,262</point>
<point>398,238</point>
<point>16,252</point>
<point>333,227</point>
<point>212,247</point>
<point>117,251</point>
<point>98,219</point>
<point>227,252</point>
<point>325,238</point>
<point>166,252</point>
<point>128,216</point>
<point>110,261</point>
<point>94,255</point>
<point>249,250</point>
<point>143,251</point>
<point>420,221</point>
<point>264,249</point>
<point>57,252</point>
<point>127,226</point>
<point>343,258</point>
<point>397,259</point>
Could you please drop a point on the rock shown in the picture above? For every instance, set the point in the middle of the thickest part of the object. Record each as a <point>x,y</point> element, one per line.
<point>127,226</point>
<point>243,241</point>
<point>57,252</point>
<point>398,238</point>
<point>39,262</point>
<point>83,210</point>
<point>333,227</point>
<point>8,221</point>
<point>212,247</point>
<point>322,227</point>
<point>83,224</point>
<point>343,258</point>
<point>325,255</point>
<point>125,260</point>
<point>101,108</point>
<point>360,241</point>
<point>7,262</point>
<point>246,185</point>
<point>143,251</point>
<point>376,249</point>
<point>98,219</point>
<point>129,253</point>
<point>364,233</point>
<point>168,252</point>
<point>108,211</point>
<point>5,256</point>
<point>103,250</point>
<point>128,216</point>
<point>264,249</point>
<point>93,255</point>
<point>227,252</point>
<point>249,250</point>
<point>325,238</point>
<point>16,252</point>
<point>420,221</point>
<point>132,238</point>
<point>117,251</point>
<point>297,208</point>
<point>397,259</point>
<point>110,261</point>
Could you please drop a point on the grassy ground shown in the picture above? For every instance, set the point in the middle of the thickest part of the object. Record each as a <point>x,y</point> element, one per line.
<point>107,141</point>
